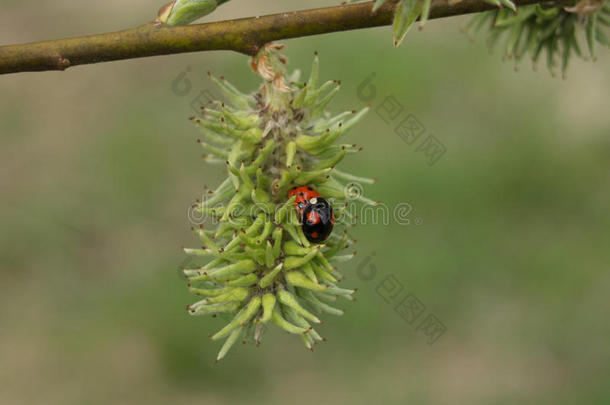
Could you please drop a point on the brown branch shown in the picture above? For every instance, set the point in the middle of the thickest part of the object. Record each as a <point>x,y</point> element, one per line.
<point>244,35</point>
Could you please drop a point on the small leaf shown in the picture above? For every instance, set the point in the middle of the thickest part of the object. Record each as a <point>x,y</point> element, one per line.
<point>187,11</point>
<point>405,15</point>
<point>425,13</point>
<point>494,2</point>
<point>601,36</point>
<point>590,34</point>
<point>509,4</point>
<point>378,4</point>
<point>164,12</point>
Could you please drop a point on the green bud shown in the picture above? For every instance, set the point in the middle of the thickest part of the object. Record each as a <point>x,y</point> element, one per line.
<point>269,258</point>
<point>268,278</point>
<point>268,305</point>
<point>208,292</point>
<point>276,318</point>
<point>227,272</point>
<point>322,273</point>
<point>289,300</point>
<point>213,309</point>
<point>292,262</point>
<point>244,281</point>
<point>293,248</point>
<point>233,294</point>
<point>186,11</point>
<point>277,242</point>
<point>233,337</point>
<point>291,150</point>
<point>307,269</point>
<point>297,279</point>
<point>242,317</point>
<point>321,306</point>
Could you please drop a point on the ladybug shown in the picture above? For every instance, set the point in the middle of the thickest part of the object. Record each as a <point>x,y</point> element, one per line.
<point>315,213</point>
<point>303,195</point>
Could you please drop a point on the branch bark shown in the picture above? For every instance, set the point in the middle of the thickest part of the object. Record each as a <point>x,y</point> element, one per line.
<point>244,35</point>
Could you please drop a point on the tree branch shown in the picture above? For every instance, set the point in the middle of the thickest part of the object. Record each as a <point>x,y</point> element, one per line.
<point>244,35</point>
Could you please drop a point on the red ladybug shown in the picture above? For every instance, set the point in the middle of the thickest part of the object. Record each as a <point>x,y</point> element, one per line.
<point>315,213</point>
<point>303,195</point>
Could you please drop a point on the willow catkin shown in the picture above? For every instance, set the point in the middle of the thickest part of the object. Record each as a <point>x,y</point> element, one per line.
<point>256,264</point>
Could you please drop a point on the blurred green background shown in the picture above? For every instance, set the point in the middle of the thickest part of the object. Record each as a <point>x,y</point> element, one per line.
<point>99,166</point>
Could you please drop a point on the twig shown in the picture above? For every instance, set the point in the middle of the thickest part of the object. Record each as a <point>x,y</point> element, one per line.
<point>244,35</point>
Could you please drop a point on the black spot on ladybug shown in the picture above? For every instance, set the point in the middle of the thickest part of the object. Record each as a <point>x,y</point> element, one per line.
<point>317,220</point>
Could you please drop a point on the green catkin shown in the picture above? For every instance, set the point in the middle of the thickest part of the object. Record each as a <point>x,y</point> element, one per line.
<point>550,29</point>
<point>257,263</point>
